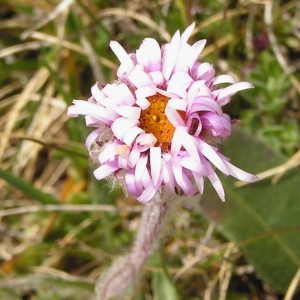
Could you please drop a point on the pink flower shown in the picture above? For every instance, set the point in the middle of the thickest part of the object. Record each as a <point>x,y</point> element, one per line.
<point>158,125</point>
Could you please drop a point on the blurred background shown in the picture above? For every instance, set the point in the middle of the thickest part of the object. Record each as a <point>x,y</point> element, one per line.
<point>60,228</point>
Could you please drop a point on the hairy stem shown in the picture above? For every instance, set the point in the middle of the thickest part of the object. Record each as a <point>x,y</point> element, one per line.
<point>124,270</point>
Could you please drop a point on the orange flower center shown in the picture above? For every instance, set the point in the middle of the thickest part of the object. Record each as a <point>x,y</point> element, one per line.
<point>153,120</point>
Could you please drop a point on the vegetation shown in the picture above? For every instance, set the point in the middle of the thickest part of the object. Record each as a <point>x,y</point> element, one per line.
<point>60,228</point>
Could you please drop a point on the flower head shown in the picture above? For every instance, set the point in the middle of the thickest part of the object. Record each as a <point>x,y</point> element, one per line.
<point>158,125</point>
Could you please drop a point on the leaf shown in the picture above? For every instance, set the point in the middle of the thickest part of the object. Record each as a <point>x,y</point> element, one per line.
<point>163,288</point>
<point>27,188</point>
<point>263,219</point>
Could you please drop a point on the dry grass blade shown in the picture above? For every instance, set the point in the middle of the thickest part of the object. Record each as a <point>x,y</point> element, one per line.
<point>278,171</point>
<point>69,45</point>
<point>126,13</point>
<point>293,287</point>
<point>68,207</point>
<point>60,8</point>
<point>31,88</point>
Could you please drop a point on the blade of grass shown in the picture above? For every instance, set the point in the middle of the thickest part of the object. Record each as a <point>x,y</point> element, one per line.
<point>27,188</point>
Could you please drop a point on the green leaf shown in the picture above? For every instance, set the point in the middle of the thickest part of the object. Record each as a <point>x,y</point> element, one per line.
<point>263,219</point>
<point>27,188</point>
<point>163,288</point>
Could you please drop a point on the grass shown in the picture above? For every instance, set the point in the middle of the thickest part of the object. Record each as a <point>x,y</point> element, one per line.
<point>60,228</point>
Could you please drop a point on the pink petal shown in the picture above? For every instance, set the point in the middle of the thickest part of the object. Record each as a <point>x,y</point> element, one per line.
<point>168,177</point>
<point>133,157</point>
<point>199,181</point>
<point>187,186</point>
<point>123,161</point>
<point>155,163</point>
<point>140,166</point>
<point>177,171</point>
<point>92,137</point>
<point>148,194</point>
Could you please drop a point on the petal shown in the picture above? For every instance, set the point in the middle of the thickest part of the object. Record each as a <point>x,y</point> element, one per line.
<point>155,163</point>
<point>140,166</point>
<point>121,126</point>
<point>144,92</point>
<point>209,152</point>
<point>140,78</point>
<point>130,112</point>
<point>173,116</point>
<point>105,170</point>
<point>168,177</point>
<point>170,52</point>
<point>224,79</point>
<point>133,157</point>
<point>144,141</point>
<point>240,174</point>
<point>149,55</point>
<point>179,83</point>
<point>92,137</point>
<point>131,134</point>
<point>199,181</point>
<point>124,58</point>
<point>177,140</point>
<point>194,166</point>
<point>143,103</point>
<point>148,194</point>
<point>234,88</point>
<point>187,186</point>
<point>107,153</point>
<point>187,33</point>
<point>177,171</point>
<point>157,78</point>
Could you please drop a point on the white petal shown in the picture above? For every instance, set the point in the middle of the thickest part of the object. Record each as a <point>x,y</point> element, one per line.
<point>124,58</point>
<point>105,170</point>
<point>145,92</point>
<point>131,134</point>
<point>130,112</point>
<point>240,174</point>
<point>170,52</point>
<point>224,79</point>
<point>212,156</point>
<point>231,90</point>
<point>121,126</point>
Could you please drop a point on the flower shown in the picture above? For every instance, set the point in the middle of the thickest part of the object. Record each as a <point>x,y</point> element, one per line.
<point>159,124</point>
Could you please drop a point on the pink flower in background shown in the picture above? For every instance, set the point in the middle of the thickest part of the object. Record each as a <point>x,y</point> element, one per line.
<point>158,125</point>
